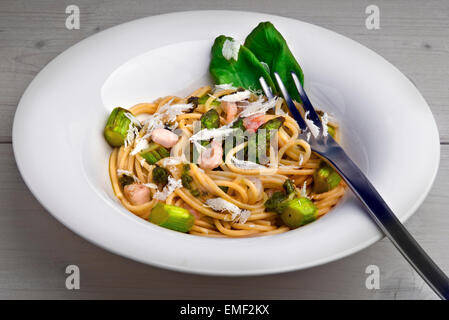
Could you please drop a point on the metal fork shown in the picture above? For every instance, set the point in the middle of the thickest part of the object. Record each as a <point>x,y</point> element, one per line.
<point>327,148</point>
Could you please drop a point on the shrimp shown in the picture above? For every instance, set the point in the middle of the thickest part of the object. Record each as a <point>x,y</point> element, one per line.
<point>164,137</point>
<point>212,157</point>
<point>230,108</point>
<point>252,123</point>
<point>137,193</point>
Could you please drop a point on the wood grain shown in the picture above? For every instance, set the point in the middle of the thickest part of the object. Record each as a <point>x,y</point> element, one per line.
<point>35,248</point>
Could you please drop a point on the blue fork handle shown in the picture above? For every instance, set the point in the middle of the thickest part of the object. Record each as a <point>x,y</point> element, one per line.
<point>387,220</point>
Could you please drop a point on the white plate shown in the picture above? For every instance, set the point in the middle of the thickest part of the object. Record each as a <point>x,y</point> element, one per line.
<point>387,128</point>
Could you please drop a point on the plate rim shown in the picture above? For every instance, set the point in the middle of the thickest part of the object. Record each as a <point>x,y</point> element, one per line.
<point>187,269</point>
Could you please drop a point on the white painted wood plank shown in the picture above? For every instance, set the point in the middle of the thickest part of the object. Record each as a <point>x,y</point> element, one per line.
<point>413,36</point>
<point>35,249</point>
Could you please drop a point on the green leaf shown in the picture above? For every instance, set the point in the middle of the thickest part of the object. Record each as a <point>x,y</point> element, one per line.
<point>270,47</point>
<point>243,72</point>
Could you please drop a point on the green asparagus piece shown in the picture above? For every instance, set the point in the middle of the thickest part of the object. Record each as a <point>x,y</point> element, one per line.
<point>274,203</point>
<point>325,179</point>
<point>289,186</point>
<point>273,124</point>
<point>154,153</point>
<point>117,126</point>
<point>160,175</point>
<point>193,100</point>
<point>210,120</point>
<point>187,180</point>
<point>203,99</point>
<point>238,124</point>
<point>171,217</point>
<point>298,212</point>
<point>124,180</point>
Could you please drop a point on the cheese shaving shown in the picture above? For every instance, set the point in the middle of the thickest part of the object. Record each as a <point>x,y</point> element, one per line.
<point>237,96</point>
<point>207,134</point>
<point>304,190</point>
<point>169,188</point>
<point>141,144</point>
<point>131,134</point>
<point>121,172</point>
<point>219,204</point>
<point>258,107</point>
<point>325,121</point>
<point>315,130</point>
<point>166,114</point>
<point>171,161</point>
<point>242,164</point>
<point>231,49</point>
<point>133,119</point>
<point>224,86</point>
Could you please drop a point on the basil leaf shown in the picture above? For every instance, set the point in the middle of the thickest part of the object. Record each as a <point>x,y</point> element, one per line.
<point>243,72</point>
<point>270,47</point>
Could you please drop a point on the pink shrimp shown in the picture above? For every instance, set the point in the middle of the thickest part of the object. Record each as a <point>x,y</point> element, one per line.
<point>230,108</point>
<point>137,193</point>
<point>252,123</point>
<point>212,157</point>
<point>195,213</point>
<point>164,137</point>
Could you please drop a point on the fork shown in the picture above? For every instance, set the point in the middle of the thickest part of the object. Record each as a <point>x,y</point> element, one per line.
<point>327,148</point>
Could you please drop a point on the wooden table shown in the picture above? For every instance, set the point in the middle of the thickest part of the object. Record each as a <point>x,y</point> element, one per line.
<point>35,249</point>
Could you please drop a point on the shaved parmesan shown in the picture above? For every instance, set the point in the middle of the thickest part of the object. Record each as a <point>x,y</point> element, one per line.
<point>166,114</point>
<point>219,204</point>
<point>141,144</point>
<point>169,188</point>
<point>325,121</point>
<point>314,129</point>
<point>308,136</point>
<point>133,119</point>
<point>121,172</point>
<point>304,190</point>
<point>171,161</point>
<point>237,96</point>
<point>244,215</point>
<point>170,112</point>
<point>224,86</point>
<point>150,185</point>
<point>231,49</point>
<point>207,134</point>
<point>131,134</point>
<point>242,164</point>
<point>258,107</point>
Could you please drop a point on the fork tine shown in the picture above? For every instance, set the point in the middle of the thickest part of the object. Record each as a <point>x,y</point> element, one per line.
<point>291,106</point>
<point>266,89</point>
<point>308,108</point>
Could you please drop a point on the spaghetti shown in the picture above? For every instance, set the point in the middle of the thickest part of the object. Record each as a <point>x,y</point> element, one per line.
<point>243,189</point>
